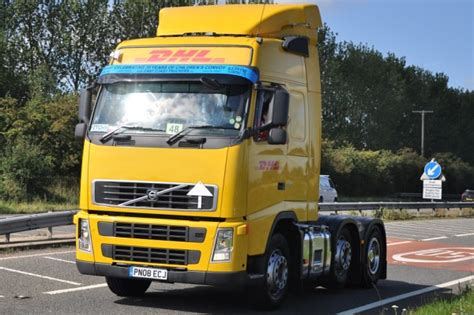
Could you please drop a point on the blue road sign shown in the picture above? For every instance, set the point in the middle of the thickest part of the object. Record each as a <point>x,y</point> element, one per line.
<point>432,170</point>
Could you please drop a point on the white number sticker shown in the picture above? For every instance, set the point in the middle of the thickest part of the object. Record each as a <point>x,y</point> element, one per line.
<point>100,128</point>
<point>173,128</point>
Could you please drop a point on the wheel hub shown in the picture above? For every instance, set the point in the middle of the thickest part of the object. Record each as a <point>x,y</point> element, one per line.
<point>373,256</point>
<point>277,272</point>
<point>343,255</point>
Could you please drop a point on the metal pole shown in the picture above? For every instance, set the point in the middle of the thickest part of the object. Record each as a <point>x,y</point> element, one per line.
<point>423,112</point>
<point>423,133</point>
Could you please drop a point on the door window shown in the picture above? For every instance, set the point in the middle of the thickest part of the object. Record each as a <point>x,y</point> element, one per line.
<point>263,110</point>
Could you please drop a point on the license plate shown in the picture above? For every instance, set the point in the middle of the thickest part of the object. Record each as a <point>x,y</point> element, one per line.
<point>147,273</point>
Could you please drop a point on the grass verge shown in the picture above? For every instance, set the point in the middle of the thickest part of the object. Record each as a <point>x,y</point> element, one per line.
<point>61,194</point>
<point>12,207</point>
<point>462,304</point>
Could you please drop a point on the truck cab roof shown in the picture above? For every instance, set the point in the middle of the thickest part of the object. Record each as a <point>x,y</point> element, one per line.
<point>272,21</point>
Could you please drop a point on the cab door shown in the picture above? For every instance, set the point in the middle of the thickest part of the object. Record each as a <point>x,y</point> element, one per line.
<point>267,163</point>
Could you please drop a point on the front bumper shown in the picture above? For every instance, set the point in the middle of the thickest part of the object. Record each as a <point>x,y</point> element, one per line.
<point>197,252</point>
<point>236,279</point>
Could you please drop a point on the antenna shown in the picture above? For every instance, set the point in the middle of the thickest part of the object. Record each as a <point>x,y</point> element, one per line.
<point>261,18</point>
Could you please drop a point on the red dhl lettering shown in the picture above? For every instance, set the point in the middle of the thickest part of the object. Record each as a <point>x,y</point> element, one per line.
<point>268,166</point>
<point>180,56</point>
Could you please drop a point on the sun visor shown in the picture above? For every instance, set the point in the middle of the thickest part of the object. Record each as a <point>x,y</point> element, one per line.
<point>140,72</point>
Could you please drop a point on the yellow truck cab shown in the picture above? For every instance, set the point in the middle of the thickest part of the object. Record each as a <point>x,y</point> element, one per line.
<point>201,160</point>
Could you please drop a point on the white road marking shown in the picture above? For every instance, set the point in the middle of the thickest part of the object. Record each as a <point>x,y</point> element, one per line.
<point>419,234</point>
<point>434,238</point>
<point>437,255</point>
<point>418,228</point>
<point>461,235</point>
<point>77,289</point>
<point>435,224</point>
<point>398,243</point>
<point>400,239</point>
<point>1,296</point>
<point>38,276</point>
<point>369,306</point>
<point>36,255</point>
<point>59,259</point>
<point>403,234</point>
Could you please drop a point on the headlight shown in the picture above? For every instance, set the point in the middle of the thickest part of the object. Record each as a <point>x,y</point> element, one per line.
<point>84,235</point>
<point>223,245</point>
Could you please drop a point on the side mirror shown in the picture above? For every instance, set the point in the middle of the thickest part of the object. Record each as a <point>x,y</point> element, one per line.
<point>277,136</point>
<point>85,105</point>
<point>80,131</point>
<point>280,108</point>
<point>297,45</point>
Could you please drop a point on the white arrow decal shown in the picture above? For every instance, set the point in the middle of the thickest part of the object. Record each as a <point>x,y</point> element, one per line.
<point>431,171</point>
<point>199,190</point>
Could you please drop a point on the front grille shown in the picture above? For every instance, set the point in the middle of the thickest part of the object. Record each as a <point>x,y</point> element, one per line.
<point>151,255</point>
<point>149,231</point>
<point>143,195</point>
<point>153,231</point>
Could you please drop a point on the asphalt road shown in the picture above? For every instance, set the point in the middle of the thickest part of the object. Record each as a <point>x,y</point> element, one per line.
<point>427,259</point>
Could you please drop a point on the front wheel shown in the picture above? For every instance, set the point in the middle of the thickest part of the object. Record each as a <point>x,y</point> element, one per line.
<point>271,293</point>
<point>127,287</point>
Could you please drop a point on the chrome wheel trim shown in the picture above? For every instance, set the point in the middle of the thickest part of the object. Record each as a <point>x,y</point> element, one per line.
<point>343,256</point>
<point>277,273</point>
<point>373,256</point>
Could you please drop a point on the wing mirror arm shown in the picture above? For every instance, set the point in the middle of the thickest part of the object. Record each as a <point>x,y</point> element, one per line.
<point>85,109</point>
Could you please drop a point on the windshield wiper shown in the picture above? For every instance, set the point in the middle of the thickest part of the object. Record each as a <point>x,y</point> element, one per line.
<point>109,135</point>
<point>174,138</point>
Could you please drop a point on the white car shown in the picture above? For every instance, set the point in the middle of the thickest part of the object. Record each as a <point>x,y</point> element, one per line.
<point>327,189</point>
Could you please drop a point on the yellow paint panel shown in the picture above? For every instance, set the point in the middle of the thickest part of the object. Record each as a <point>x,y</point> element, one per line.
<point>260,223</point>
<point>185,55</point>
<point>239,257</point>
<point>275,63</point>
<point>266,21</point>
<point>297,118</point>
<point>158,165</point>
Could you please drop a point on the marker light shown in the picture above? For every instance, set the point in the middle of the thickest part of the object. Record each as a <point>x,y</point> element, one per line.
<point>116,54</point>
<point>223,245</point>
<point>84,235</point>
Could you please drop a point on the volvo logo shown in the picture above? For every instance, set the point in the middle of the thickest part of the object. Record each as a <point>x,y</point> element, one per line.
<point>152,195</point>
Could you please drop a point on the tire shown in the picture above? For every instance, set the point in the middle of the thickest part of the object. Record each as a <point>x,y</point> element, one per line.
<point>272,291</point>
<point>341,261</point>
<point>127,287</point>
<point>374,253</point>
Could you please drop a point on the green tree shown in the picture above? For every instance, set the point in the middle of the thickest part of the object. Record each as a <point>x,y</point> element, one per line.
<point>25,171</point>
<point>65,38</point>
<point>368,101</point>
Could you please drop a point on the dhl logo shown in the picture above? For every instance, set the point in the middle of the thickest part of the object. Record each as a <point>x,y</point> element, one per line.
<point>268,166</point>
<point>180,56</point>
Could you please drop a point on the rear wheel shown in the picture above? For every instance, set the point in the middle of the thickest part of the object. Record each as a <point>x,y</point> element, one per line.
<point>127,287</point>
<point>374,253</point>
<point>341,261</point>
<point>274,287</point>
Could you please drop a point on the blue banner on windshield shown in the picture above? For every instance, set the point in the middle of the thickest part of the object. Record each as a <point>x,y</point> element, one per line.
<point>241,71</point>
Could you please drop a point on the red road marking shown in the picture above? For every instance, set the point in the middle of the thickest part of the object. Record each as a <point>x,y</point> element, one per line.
<point>431,255</point>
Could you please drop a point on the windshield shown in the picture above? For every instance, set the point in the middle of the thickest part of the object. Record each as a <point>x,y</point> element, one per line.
<point>170,107</point>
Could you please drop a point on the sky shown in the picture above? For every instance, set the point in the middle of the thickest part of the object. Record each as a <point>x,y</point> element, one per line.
<point>437,35</point>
